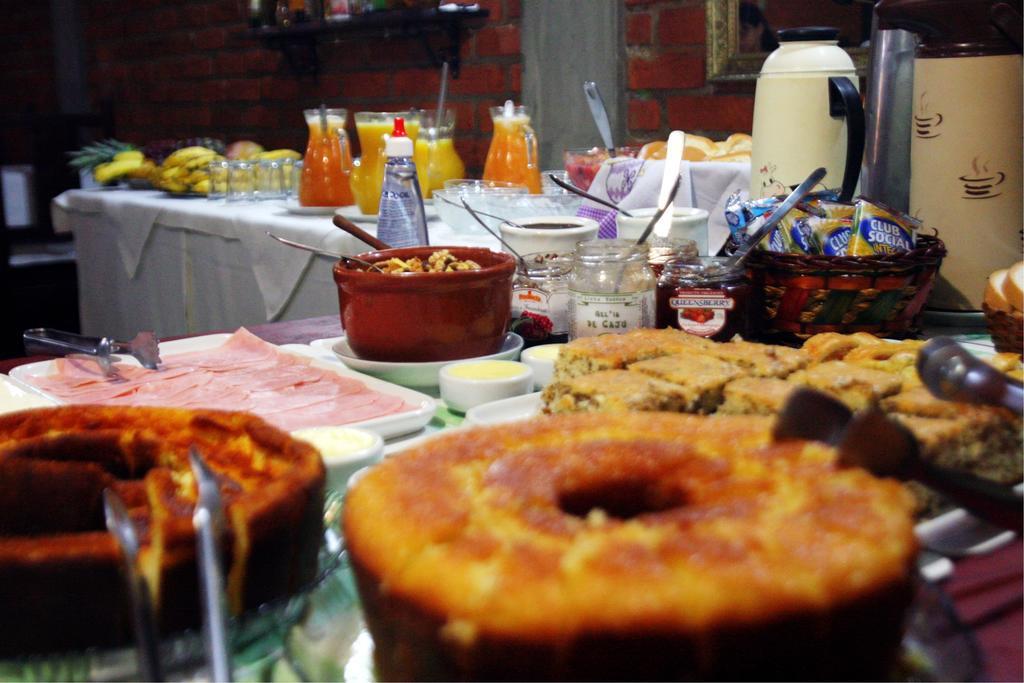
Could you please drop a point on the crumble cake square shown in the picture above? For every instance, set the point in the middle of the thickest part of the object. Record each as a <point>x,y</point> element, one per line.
<point>613,391</point>
<point>701,377</point>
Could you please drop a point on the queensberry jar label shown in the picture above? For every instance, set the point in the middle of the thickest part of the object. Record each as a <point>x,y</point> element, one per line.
<point>594,314</point>
<point>703,312</point>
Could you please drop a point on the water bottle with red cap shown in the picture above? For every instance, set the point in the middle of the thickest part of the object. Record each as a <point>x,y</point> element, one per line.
<point>401,221</point>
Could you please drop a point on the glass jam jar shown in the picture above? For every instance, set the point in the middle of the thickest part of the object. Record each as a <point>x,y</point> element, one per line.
<point>703,298</point>
<point>540,299</point>
<point>611,288</point>
<point>664,249</point>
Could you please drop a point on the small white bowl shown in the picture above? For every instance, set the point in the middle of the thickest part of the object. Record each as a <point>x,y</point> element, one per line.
<point>687,223</point>
<point>344,450</point>
<point>541,360</point>
<point>548,240</point>
<point>472,383</point>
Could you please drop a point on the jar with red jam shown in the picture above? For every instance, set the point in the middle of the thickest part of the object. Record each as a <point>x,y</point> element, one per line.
<point>702,297</point>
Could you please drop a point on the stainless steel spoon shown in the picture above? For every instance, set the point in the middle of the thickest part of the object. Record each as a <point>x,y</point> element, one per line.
<point>797,195</point>
<point>476,217</point>
<point>324,252</point>
<point>586,195</point>
<point>600,114</point>
<point>484,213</point>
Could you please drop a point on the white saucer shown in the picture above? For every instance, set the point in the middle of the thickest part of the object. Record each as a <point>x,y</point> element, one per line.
<point>292,206</point>
<point>410,374</point>
<point>356,216</point>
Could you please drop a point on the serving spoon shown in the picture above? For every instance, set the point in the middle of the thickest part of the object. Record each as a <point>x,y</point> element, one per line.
<point>794,198</point>
<point>884,447</point>
<point>586,195</point>
<point>348,260</point>
<point>484,213</point>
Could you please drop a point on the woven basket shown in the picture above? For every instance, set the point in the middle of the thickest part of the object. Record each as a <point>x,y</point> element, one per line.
<point>796,295</point>
<point>1007,329</point>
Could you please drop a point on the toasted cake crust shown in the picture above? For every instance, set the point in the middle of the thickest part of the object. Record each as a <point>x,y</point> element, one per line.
<point>57,549</point>
<point>685,540</point>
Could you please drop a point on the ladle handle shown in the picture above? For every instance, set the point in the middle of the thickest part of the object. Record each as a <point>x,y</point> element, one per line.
<point>357,232</point>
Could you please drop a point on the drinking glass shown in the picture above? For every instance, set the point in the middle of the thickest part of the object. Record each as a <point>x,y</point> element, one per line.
<point>241,181</point>
<point>269,180</point>
<point>218,180</point>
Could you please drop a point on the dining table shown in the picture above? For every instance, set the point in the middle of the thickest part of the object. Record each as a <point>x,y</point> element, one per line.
<point>974,614</point>
<point>151,260</point>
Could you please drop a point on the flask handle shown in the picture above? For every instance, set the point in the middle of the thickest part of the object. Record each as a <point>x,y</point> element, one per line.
<point>844,102</point>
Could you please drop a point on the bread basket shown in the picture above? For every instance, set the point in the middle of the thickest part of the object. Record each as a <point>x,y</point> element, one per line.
<point>798,295</point>
<point>1007,329</point>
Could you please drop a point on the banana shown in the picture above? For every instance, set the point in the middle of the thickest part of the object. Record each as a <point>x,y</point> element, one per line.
<point>201,161</point>
<point>104,173</point>
<point>175,187</point>
<point>202,186</point>
<point>185,154</point>
<point>197,175</point>
<point>133,155</point>
<point>173,173</point>
<point>278,154</point>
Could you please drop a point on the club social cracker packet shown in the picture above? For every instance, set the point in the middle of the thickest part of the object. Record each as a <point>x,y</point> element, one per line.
<point>879,230</point>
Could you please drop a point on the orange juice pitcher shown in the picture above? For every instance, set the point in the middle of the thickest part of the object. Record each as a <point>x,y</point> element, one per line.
<point>513,156</point>
<point>328,162</point>
<point>373,128</point>
<point>436,158</point>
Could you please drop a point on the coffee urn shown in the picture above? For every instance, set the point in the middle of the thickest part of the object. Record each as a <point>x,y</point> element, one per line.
<point>966,146</point>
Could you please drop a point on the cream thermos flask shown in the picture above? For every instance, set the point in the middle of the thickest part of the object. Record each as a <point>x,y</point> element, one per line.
<point>966,145</point>
<point>807,114</point>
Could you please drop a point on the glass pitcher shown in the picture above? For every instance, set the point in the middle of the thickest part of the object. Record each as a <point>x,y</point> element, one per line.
<point>436,158</point>
<point>372,128</point>
<point>513,156</point>
<point>328,161</point>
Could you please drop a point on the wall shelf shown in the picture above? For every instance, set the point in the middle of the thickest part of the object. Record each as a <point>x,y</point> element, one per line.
<point>299,41</point>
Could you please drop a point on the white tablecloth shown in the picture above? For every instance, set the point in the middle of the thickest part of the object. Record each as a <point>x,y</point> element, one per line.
<point>147,261</point>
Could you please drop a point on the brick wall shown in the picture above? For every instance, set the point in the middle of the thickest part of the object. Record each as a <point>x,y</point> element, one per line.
<point>186,69</point>
<point>190,69</point>
<point>666,88</point>
<point>26,70</point>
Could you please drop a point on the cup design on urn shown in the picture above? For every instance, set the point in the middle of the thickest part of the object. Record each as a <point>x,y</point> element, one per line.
<point>770,185</point>
<point>926,124</point>
<point>980,183</point>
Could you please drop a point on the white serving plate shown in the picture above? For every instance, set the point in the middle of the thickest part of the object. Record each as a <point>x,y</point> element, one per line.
<point>15,395</point>
<point>506,410</point>
<point>293,206</point>
<point>356,216</point>
<point>388,426</point>
<point>423,375</point>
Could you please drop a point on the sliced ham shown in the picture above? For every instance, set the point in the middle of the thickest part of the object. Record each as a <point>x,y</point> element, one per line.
<point>244,373</point>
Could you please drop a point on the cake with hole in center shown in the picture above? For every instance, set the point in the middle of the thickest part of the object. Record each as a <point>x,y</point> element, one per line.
<point>629,546</point>
<point>61,585</point>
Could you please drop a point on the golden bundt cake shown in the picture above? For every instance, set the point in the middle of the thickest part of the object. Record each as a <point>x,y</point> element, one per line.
<point>60,580</point>
<point>629,546</point>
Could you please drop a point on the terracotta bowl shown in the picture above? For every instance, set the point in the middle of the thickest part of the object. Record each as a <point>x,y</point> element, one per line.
<point>424,317</point>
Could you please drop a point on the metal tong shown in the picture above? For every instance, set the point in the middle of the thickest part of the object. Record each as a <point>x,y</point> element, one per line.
<point>208,521</point>
<point>951,372</point>
<point>886,448</point>
<point>43,340</point>
<point>120,524</point>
